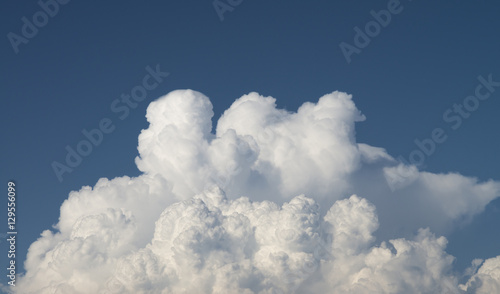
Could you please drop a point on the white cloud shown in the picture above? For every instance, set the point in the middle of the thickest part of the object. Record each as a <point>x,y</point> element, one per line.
<point>220,213</point>
<point>487,278</point>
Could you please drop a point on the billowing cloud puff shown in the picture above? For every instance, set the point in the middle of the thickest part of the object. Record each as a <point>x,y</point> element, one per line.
<point>487,278</point>
<point>265,204</point>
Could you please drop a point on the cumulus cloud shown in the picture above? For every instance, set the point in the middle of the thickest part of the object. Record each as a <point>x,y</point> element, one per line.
<point>272,201</point>
<point>486,279</point>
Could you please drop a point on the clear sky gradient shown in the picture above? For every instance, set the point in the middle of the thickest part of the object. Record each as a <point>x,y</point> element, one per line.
<point>66,77</point>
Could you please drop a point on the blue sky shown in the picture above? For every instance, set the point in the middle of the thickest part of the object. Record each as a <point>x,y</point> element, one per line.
<point>427,59</point>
